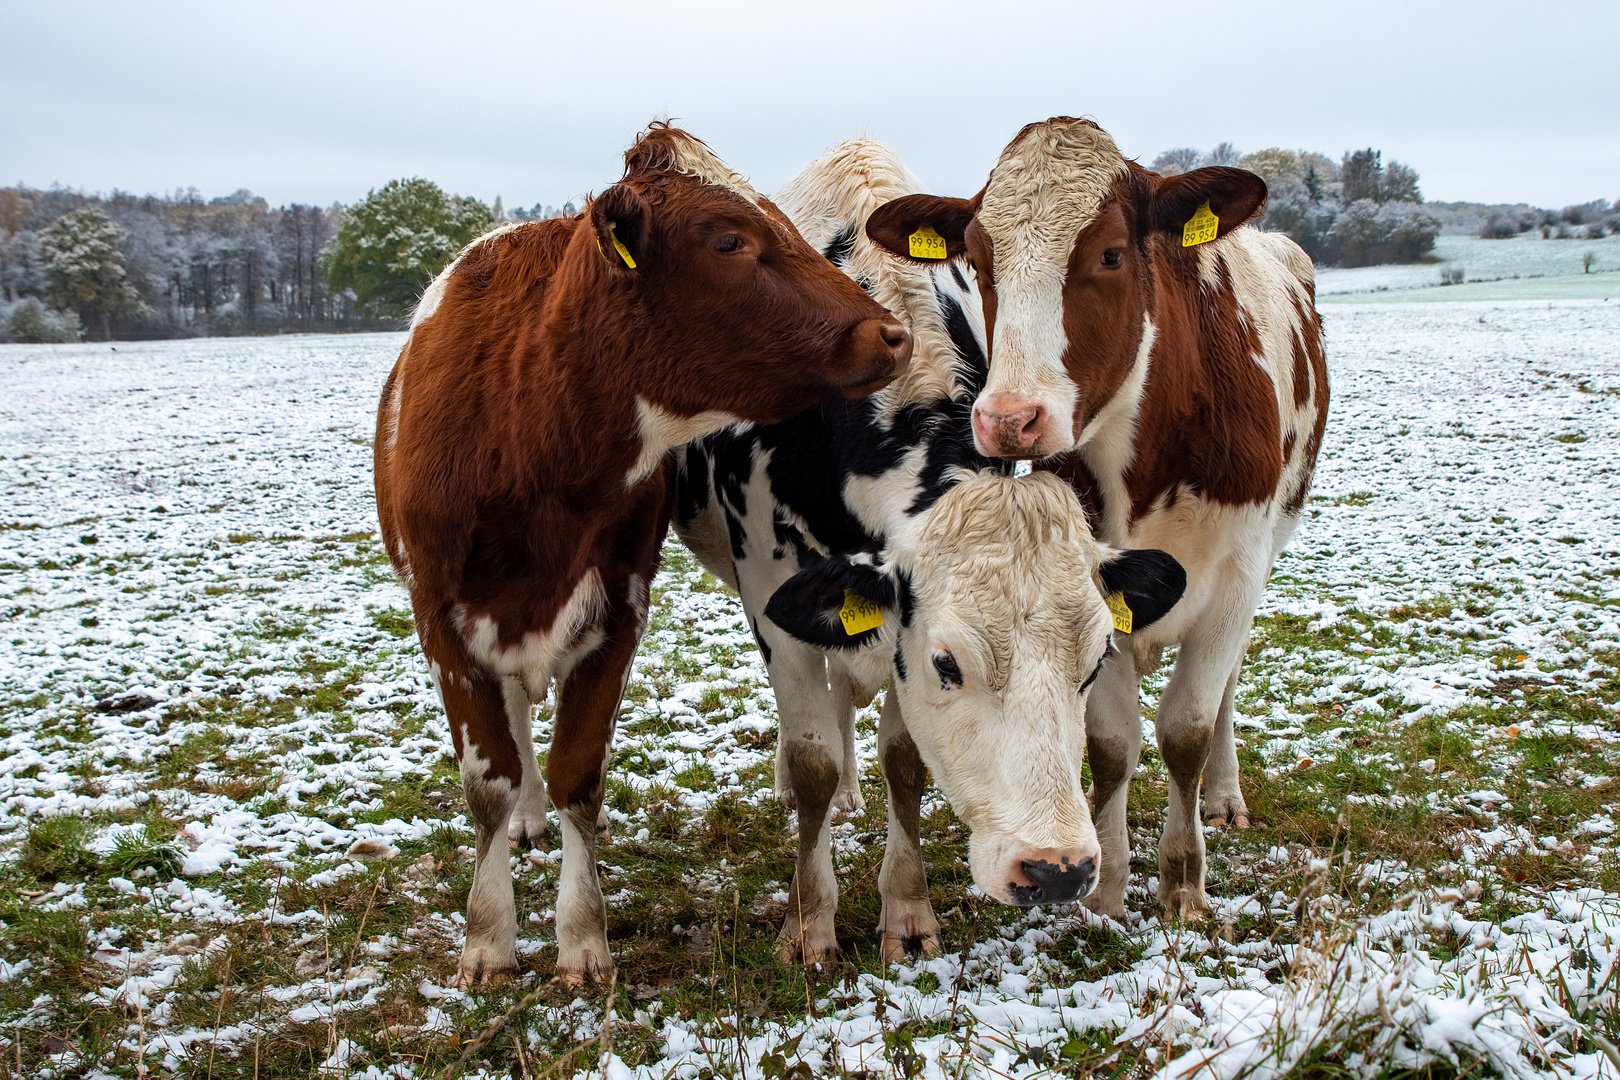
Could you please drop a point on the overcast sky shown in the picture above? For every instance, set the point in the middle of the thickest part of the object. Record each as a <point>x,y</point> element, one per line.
<point>536,102</point>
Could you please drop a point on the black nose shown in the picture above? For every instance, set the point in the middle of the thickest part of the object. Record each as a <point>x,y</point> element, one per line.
<point>1053,884</point>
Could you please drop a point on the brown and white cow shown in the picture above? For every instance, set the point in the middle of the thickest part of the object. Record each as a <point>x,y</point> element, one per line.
<point>523,484</point>
<point>1180,385</point>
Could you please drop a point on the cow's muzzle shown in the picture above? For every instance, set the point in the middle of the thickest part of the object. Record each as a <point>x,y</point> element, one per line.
<point>1011,426</point>
<point>1053,878</point>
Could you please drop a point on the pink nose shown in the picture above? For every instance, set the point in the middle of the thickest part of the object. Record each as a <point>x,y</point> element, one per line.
<point>1009,425</point>
<point>1050,876</point>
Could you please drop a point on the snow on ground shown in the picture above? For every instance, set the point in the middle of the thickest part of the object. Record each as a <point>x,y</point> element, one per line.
<point>207,670</point>
<point>1523,267</point>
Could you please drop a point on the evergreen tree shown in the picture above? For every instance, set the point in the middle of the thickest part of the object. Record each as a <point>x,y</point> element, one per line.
<point>1363,176</point>
<point>84,267</point>
<point>394,241</point>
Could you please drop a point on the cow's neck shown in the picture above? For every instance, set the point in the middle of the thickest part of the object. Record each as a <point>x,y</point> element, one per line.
<point>584,412</point>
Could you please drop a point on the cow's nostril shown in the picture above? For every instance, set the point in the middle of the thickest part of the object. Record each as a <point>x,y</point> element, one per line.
<point>1031,429</point>
<point>894,335</point>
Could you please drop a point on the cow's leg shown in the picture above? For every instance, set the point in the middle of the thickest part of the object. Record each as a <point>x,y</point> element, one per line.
<point>491,778</point>
<point>1113,747</point>
<point>848,796</point>
<point>1186,734</point>
<point>908,919</point>
<point>528,825</point>
<point>587,707</point>
<point>810,748</point>
<point>1223,797</point>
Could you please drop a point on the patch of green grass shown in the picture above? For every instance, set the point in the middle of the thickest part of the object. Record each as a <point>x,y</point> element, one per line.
<point>55,849</point>
<point>396,621</point>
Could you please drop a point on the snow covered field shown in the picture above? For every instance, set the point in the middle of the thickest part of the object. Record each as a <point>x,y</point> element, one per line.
<point>1525,267</point>
<point>232,841</point>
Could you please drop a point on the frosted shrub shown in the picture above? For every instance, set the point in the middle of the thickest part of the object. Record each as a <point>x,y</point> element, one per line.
<point>32,322</point>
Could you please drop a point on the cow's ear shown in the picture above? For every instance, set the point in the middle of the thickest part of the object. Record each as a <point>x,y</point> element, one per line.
<point>913,226</point>
<point>620,218</point>
<point>1234,196</point>
<point>835,603</point>
<point>1149,582</point>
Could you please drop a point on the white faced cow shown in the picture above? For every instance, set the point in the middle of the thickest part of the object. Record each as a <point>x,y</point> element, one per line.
<point>990,592</point>
<point>1169,364</point>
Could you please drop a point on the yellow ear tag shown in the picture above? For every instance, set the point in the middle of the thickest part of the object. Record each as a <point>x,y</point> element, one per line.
<point>859,614</point>
<point>1120,610</point>
<point>1201,229</point>
<point>927,244</point>
<point>618,245</point>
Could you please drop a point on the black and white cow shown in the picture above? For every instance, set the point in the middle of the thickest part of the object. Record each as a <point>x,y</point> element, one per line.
<point>990,589</point>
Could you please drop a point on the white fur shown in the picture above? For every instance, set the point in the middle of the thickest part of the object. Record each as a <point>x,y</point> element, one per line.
<point>659,430</point>
<point>529,813</point>
<point>696,159</point>
<point>994,582</point>
<point>541,655</point>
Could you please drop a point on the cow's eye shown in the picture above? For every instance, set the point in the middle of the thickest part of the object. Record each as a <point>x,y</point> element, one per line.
<point>729,242</point>
<point>1112,257</point>
<point>1093,676</point>
<point>950,676</point>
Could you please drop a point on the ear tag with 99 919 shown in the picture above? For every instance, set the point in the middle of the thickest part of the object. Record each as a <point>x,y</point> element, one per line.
<point>859,614</point>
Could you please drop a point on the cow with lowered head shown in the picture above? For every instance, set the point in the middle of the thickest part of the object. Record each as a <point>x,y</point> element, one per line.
<point>1168,362</point>
<point>980,596</point>
<point>524,487</point>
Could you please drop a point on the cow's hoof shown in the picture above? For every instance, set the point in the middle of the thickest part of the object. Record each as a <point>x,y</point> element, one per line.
<point>1225,811</point>
<point>1109,907</point>
<point>604,826</point>
<point>815,943</point>
<point>1184,902</point>
<point>528,832</point>
<point>894,949</point>
<point>789,952</point>
<point>848,799</point>
<point>479,969</point>
<point>573,970</point>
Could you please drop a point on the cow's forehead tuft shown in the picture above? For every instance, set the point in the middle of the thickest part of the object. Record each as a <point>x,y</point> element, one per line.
<point>1011,556</point>
<point>1049,183</point>
<point>687,154</point>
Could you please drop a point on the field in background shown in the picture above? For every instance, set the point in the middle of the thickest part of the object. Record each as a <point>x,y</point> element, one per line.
<point>1522,268</point>
<point>232,841</point>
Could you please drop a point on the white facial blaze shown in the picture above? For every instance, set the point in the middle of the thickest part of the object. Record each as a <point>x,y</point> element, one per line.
<point>1001,577</point>
<point>1048,185</point>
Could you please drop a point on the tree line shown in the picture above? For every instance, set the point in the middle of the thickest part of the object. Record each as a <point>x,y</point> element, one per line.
<point>75,265</point>
<point>123,266</point>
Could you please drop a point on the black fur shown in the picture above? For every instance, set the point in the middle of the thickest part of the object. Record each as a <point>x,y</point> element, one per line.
<point>1152,582</point>
<point>840,246</point>
<point>764,649</point>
